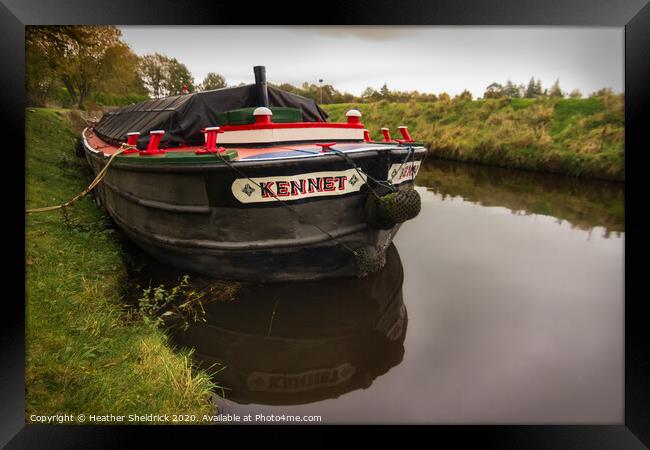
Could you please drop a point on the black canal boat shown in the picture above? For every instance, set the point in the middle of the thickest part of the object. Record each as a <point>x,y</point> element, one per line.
<point>253,183</point>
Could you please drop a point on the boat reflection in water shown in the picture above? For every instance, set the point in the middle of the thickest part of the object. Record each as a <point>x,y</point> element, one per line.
<point>301,342</point>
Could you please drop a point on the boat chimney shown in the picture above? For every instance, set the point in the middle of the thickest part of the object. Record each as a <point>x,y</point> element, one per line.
<point>260,84</point>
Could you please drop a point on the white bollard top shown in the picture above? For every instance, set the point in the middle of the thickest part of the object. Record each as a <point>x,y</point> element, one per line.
<point>353,113</point>
<point>262,111</point>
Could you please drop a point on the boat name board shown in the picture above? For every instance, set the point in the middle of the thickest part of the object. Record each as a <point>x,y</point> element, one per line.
<point>300,382</point>
<point>297,187</point>
<point>399,173</point>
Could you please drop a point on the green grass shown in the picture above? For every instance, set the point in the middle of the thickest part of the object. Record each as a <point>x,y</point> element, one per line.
<point>578,137</point>
<point>85,353</point>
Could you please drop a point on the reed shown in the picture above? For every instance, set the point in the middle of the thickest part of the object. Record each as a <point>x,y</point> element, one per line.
<point>577,137</point>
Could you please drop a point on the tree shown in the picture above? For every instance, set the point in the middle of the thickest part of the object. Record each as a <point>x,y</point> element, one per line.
<point>369,94</point>
<point>120,59</point>
<point>575,93</point>
<point>384,92</point>
<point>465,96</point>
<point>494,90</point>
<point>153,71</point>
<point>213,81</point>
<point>511,90</point>
<point>179,76</point>
<point>534,88</point>
<point>81,58</point>
<point>40,79</point>
<point>444,97</point>
<point>164,76</point>
<point>603,92</point>
<point>555,90</point>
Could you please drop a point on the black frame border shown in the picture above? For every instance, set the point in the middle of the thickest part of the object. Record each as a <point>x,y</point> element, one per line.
<point>634,15</point>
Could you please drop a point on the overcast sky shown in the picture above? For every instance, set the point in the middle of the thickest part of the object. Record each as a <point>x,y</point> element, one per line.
<point>427,59</point>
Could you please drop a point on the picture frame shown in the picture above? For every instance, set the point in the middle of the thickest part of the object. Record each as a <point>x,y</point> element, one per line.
<point>633,15</point>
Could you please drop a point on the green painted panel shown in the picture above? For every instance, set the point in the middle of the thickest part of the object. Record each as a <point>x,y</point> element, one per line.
<point>244,116</point>
<point>178,158</point>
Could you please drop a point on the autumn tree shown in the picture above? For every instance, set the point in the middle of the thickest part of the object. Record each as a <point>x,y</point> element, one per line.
<point>213,81</point>
<point>84,59</point>
<point>465,96</point>
<point>41,77</point>
<point>494,90</point>
<point>444,97</point>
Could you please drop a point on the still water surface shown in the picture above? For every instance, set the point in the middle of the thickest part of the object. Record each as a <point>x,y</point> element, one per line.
<point>501,302</point>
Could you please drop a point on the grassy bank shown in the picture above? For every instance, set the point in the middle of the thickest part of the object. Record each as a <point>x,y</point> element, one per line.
<point>85,352</point>
<point>578,137</point>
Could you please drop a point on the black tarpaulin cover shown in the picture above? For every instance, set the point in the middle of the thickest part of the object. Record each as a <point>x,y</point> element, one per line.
<point>184,116</point>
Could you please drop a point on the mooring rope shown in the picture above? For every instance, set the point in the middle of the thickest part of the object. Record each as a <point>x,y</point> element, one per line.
<point>123,147</point>
<point>388,183</point>
<point>361,173</point>
<point>91,186</point>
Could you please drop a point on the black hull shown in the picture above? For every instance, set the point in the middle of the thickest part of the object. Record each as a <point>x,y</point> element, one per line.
<point>291,343</point>
<point>188,218</point>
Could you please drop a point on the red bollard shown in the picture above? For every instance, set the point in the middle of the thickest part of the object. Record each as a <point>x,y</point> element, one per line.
<point>405,134</point>
<point>154,141</point>
<point>131,139</point>
<point>210,141</point>
<point>386,133</point>
<point>366,136</point>
<point>324,147</point>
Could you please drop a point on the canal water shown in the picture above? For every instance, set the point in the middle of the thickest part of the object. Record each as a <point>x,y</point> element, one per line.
<point>502,302</point>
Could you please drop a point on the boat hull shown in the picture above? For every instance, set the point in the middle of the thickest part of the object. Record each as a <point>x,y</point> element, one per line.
<point>309,351</point>
<point>188,216</point>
